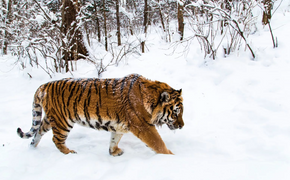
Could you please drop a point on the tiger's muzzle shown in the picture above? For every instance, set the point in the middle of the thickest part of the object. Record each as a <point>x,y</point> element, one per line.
<point>178,124</point>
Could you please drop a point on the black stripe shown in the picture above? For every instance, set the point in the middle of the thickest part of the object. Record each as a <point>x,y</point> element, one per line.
<point>60,86</point>
<point>108,113</point>
<point>57,123</point>
<point>56,138</point>
<point>123,84</point>
<point>56,116</point>
<point>96,85</point>
<point>104,128</point>
<point>71,91</point>
<point>118,118</point>
<point>33,130</point>
<point>64,124</point>
<point>70,117</point>
<point>86,104</point>
<point>86,113</point>
<point>98,114</point>
<point>64,109</point>
<point>54,95</point>
<point>65,120</point>
<point>36,105</point>
<point>60,127</point>
<point>164,111</point>
<point>75,110</point>
<point>107,82</point>
<point>59,112</point>
<point>168,114</point>
<point>112,128</point>
<point>36,113</point>
<point>78,98</point>
<point>91,126</point>
<point>52,91</point>
<point>46,121</point>
<point>107,123</point>
<point>73,82</point>
<point>45,129</point>
<point>89,94</point>
<point>97,125</point>
<point>35,123</point>
<point>100,99</point>
<point>114,86</point>
<point>131,86</point>
<point>133,81</point>
<point>60,135</point>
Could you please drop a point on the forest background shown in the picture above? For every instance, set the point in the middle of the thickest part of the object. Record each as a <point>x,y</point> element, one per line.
<point>52,34</point>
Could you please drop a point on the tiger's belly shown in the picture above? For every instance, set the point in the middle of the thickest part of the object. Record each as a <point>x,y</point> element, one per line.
<point>106,125</point>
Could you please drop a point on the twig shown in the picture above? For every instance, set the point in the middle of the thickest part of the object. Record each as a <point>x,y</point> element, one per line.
<point>274,43</point>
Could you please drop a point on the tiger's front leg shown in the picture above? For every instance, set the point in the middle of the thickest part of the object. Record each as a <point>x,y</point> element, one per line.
<point>150,136</point>
<point>114,149</point>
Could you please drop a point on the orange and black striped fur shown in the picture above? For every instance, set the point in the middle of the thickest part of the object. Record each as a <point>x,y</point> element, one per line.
<point>130,104</point>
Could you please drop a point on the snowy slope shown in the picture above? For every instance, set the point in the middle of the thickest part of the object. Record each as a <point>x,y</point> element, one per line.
<point>237,119</point>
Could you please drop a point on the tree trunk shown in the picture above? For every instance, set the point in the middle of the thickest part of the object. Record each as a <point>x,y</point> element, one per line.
<point>8,21</point>
<point>267,11</point>
<point>145,24</point>
<point>180,19</point>
<point>73,47</point>
<point>118,23</point>
<point>161,17</point>
<point>98,22</point>
<point>105,25</point>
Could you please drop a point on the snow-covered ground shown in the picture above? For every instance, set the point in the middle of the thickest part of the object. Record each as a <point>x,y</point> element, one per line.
<point>236,114</point>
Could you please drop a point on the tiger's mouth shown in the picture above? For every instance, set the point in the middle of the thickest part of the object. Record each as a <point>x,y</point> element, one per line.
<point>168,123</point>
<point>171,126</point>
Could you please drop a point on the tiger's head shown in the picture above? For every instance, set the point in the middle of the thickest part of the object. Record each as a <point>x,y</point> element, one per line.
<point>170,110</point>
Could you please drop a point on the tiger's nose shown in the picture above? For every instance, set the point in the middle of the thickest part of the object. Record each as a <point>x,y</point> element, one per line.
<point>179,126</point>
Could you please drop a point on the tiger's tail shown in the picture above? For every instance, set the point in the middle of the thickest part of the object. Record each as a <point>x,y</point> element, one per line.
<point>36,120</point>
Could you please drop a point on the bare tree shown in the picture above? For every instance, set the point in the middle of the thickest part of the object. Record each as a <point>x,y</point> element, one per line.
<point>8,20</point>
<point>73,46</point>
<point>118,23</point>
<point>105,24</point>
<point>266,19</point>
<point>145,25</point>
<point>204,18</point>
<point>180,7</point>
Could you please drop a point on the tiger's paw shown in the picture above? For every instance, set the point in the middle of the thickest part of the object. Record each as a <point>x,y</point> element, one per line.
<point>169,152</point>
<point>72,152</point>
<point>117,152</point>
<point>68,151</point>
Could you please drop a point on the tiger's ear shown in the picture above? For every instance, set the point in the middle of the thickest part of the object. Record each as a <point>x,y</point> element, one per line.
<point>164,97</point>
<point>179,91</point>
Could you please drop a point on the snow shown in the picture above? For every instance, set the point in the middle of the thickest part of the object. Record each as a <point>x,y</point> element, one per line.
<point>236,114</point>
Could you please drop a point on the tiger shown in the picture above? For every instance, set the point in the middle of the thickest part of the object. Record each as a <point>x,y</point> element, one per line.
<point>118,105</point>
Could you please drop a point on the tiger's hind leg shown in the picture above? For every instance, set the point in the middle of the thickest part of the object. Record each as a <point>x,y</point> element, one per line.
<point>114,149</point>
<point>60,130</point>
<point>44,127</point>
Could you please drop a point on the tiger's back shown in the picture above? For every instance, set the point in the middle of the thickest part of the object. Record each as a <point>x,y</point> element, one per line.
<point>94,103</point>
<point>115,105</point>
